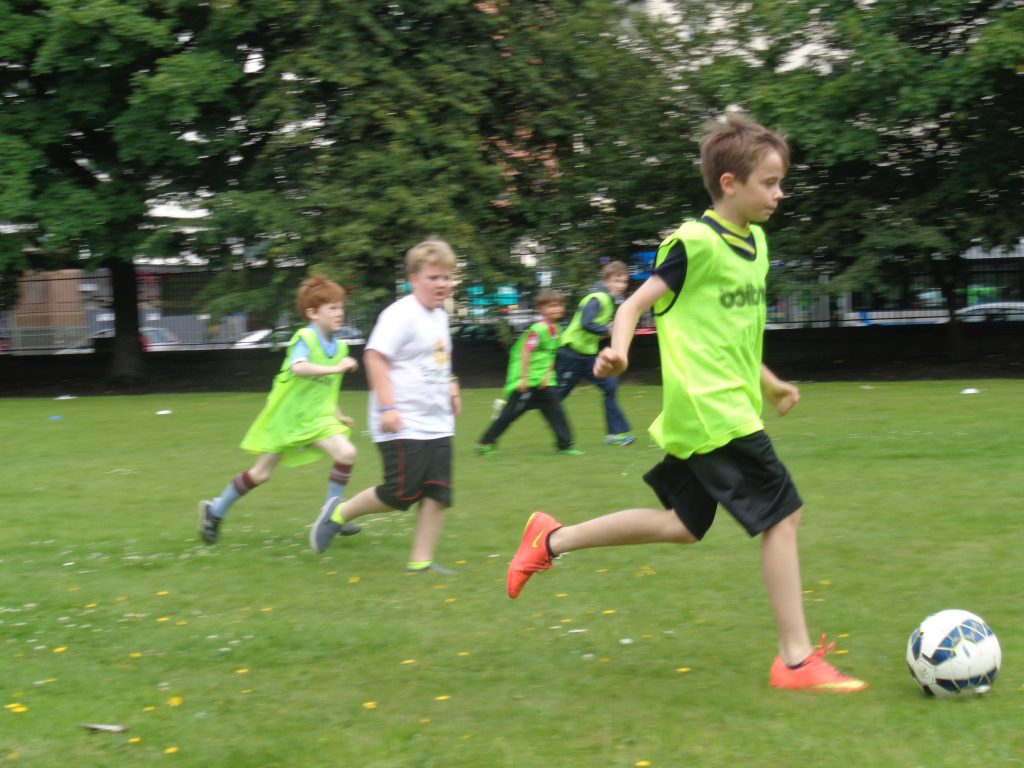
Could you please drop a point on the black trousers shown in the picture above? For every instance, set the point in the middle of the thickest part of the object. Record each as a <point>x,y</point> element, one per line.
<point>546,400</point>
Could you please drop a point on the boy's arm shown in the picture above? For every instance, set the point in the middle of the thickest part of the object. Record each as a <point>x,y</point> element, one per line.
<point>306,368</point>
<point>378,374</point>
<point>781,394</point>
<point>613,360</point>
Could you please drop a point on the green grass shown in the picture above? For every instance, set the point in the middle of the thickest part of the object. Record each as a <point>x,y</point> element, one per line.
<point>257,652</point>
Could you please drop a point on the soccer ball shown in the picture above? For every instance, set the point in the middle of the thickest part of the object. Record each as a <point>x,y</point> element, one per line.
<point>954,654</point>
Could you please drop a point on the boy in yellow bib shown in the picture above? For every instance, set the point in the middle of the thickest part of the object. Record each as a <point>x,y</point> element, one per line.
<point>708,297</point>
<point>301,421</point>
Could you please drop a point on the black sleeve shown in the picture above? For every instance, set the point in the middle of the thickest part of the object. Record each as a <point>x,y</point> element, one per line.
<point>588,314</point>
<point>673,269</point>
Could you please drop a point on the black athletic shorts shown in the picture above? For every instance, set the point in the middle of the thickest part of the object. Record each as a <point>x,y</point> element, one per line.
<point>416,469</point>
<point>744,476</point>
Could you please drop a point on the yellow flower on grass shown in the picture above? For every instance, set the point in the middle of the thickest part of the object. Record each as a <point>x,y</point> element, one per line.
<point>163,618</point>
<point>266,610</point>
<point>150,708</point>
<point>369,705</point>
<point>682,670</point>
<point>163,592</point>
<point>242,671</point>
<point>609,612</point>
<point>442,697</point>
<point>170,750</point>
<point>175,701</point>
<point>134,740</point>
<point>90,605</point>
<point>60,649</point>
<point>408,661</point>
<point>135,655</point>
<point>463,653</point>
<point>354,580</point>
<point>642,763</point>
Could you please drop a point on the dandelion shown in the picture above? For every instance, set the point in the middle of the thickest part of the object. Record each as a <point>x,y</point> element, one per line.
<point>242,671</point>
<point>682,670</point>
<point>463,653</point>
<point>90,605</point>
<point>354,580</point>
<point>442,697</point>
<point>562,594</point>
<point>450,599</point>
<point>409,661</point>
<point>266,610</point>
<point>162,593</point>
<point>135,655</point>
<point>369,705</point>
<point>60,649</point>
<point>134,740</point>
<point>150,708</point>
<point>424,720</point>
<point>170,750</point>
<point>642,763</point>
<point>609,612</point>
<point>163,619</point>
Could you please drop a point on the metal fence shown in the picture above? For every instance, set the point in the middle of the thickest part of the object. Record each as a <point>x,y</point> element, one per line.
<point>66,311</point>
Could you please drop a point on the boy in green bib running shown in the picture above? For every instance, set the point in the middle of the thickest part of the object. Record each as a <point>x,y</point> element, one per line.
<point>708,297</point>
<point>530,382</point>
<point>301,421</point>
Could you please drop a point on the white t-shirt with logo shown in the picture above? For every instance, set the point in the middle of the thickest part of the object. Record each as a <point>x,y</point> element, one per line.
<point>418,346</point>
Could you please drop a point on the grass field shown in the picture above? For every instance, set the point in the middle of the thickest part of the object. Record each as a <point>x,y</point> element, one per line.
<point>257,652</point>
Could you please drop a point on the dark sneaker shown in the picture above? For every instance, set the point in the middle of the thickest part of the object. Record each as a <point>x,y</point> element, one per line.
<point>432,568</point>
<point>349,529</point>
<point>324,529</point>
<point>209,524</point>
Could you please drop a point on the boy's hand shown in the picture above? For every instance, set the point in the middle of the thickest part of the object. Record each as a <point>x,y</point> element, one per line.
<point>348,365</point>
<point>391,421</point>
<point>609,363</point>
<point>782,395</point>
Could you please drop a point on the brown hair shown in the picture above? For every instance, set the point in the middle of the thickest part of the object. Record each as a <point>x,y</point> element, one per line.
<point>316,291</point>
<point>548,296</point>
<point>433,252</point>
<point>614,269</point>
<point>736,145</point>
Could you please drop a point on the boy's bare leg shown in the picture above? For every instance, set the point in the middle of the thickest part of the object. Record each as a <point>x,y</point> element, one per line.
<point>366,502</point>
<point>429,520</point>
<point>628,526</point>
<point>780,567</point>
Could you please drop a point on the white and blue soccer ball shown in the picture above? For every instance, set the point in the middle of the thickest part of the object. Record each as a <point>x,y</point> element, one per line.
<point>954,654</point>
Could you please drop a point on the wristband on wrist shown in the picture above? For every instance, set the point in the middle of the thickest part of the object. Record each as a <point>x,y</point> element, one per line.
<point>385,408</point>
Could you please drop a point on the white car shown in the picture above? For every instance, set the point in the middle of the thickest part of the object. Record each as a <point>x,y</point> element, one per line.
<point>993,312</point>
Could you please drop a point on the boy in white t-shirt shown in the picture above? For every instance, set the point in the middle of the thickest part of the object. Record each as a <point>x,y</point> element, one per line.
<point>414,400</point>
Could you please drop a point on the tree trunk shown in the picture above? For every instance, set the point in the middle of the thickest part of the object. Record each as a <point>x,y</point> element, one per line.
<point>127,364</point>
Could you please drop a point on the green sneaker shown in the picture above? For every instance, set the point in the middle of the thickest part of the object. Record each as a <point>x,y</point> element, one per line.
<point>571,452</point>
<point>486,449</point>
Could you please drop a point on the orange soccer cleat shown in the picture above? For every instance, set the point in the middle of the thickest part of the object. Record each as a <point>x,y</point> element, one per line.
<point>532,555</point>
<point>815,674</point>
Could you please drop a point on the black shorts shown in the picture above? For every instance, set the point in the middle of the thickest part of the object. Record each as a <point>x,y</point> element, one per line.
<point>416,469</point>
<point>744,476</point>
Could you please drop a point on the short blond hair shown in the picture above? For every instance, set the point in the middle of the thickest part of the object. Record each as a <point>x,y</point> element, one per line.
<point>430,252</point>
<point>614,269</point>
<point>736,145</point>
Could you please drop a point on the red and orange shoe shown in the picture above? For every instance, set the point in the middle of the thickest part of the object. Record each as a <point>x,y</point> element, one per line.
<point>815,674</point>
<point>532,555</point>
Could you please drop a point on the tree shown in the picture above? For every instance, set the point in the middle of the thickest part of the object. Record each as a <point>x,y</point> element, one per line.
<point>904,120</point>
<point>106,107</point>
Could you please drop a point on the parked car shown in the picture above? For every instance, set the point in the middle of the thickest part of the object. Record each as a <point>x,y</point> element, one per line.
<point>278,338</point>
<point>993,312</point>
<point>154,339</point>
